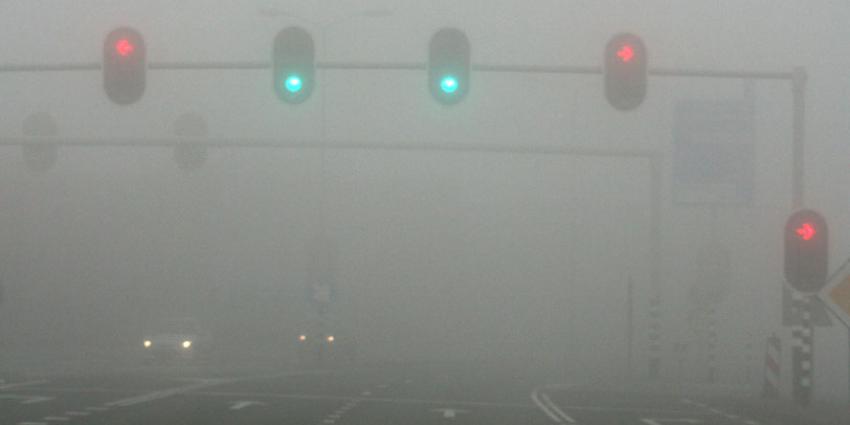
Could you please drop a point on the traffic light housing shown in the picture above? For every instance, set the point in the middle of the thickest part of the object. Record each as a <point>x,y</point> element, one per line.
<point>806,251</point>
<point>293,65</point>
<point>448,66</point>
<point>124,66</point>
<point>625,71</point>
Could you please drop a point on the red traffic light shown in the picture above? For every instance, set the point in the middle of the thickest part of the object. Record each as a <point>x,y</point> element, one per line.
<point>806,251</point>
<point>124,66</point>
<point>124,47</point>
<point>806,231</point>
<point>625,71</point>
<point>626,53</point>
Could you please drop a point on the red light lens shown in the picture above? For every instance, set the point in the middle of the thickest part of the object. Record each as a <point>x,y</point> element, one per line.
<point>124,47</point>
<point>626,53</point>
<point>806,231</point>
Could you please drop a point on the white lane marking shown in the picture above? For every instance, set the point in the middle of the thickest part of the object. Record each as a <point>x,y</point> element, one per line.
<point>449,413</point>
<point>97,409</point>
<point>535,397</point>
<point>56,419</point>
<point>557,410</point>
<point>656,421</point>
<point>36,399</point>
<point>25,399</point>
<point>335,415</point>
<point>76,413</point>
<point>22,384</point>
<point>383,386</point>
<point>239,405</point>
<point>366,393</point>
<point>161,394</point>
<point>328,421</point>
<point>32,423</point>
<point>724,414</point>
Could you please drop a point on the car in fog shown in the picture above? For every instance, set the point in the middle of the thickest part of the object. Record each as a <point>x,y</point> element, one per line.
<point>176,339</point>
<point>325,349</point>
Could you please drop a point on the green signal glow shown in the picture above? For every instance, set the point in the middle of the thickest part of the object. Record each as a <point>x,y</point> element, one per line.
<point>293,84</point>
<point>449,84</point>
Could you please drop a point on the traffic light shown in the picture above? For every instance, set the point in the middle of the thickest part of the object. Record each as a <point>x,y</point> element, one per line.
<point>293,65</point>
<point>806,251</point>
<point>124,66</point>
<point>625,71</point>
<point>448,66</point>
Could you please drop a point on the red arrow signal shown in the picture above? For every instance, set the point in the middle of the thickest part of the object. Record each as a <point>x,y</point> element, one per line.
<point>626,53</point>
<point>806,231</point>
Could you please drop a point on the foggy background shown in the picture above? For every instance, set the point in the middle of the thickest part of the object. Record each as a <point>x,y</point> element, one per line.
<point>519,260</point>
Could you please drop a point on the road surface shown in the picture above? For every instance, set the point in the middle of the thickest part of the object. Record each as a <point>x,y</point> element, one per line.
<point>435,395</point>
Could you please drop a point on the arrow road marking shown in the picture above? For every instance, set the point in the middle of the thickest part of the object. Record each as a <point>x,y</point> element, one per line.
<point>239,405</point>
<point>449,413</point>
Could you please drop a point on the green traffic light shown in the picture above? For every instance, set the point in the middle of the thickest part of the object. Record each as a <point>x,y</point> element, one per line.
<point>293,84</point>
<point>449,84</point>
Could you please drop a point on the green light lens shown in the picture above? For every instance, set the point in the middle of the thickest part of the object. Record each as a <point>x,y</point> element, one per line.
<point>293,84</point>
<point>449,84</point>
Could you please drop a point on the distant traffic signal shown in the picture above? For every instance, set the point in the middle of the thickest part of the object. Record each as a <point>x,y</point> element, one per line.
<point>448,66</point>
<point>293,65</point>
<point>124,66</point>
<point>806,251</point>
<point>625,71</point>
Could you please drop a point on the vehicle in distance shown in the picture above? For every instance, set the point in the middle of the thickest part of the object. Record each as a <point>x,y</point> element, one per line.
<point>176,339</point>
<point>325,349</point>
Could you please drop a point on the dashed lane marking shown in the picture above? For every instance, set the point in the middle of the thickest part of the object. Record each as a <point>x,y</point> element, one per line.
<point>32,423</point>
<point>56,419</point>
<point>719,412</point>
<point>76,413</point>
<point>97,409</point>
<point>22,384</point>
<point>161,394</point>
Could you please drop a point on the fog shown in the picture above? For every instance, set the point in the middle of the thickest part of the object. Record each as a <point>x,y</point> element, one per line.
<point>519,257</point>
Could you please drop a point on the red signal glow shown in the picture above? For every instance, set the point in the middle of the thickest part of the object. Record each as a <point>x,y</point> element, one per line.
<point>806,231</point>
<point>124,47</point>
<point>626,53</point>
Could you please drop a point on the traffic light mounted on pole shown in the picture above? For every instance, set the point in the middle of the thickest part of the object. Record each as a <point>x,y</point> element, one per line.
<point>625,71</point>
<point>448,66</point>
<point>806,251</point>
<point>124,66</point>
<point>293,65</point>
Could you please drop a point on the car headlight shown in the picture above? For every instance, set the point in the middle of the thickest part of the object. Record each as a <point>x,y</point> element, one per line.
<point>331,338</point>
<point>302,338</point>
<point>148,343</point>
<point>187,344</point>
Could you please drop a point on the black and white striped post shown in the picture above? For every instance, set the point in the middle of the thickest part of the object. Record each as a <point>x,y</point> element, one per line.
<point>772,368</point>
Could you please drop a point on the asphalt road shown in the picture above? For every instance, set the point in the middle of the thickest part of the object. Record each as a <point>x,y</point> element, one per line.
<point>431,395</point>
